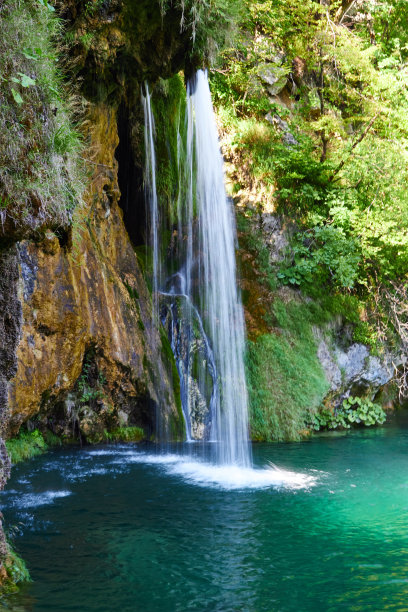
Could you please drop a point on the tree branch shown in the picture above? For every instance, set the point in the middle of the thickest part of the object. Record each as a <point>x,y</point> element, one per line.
<point>357,142</point>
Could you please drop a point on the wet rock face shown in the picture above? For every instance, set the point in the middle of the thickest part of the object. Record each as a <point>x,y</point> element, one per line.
<point>10,324</point>
<point>191,352</point>
<point>85,294</point>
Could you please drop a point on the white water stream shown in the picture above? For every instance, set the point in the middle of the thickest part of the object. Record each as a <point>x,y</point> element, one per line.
<point>151,198</point>
<point>207,277</point>
<point>219,301</point>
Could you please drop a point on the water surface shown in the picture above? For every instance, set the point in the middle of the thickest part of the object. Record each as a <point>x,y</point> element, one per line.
<point>118,528</point>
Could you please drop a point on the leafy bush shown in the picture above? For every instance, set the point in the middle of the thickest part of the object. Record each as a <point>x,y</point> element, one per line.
<point>354,410</point>
<point>323,254</point>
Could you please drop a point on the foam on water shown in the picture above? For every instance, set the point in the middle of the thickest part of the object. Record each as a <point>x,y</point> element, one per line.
<point>228,477</point>
<point>33,500</point>
<point>106,452</point>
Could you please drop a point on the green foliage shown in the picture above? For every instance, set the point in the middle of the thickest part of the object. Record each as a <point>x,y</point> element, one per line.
<point>16,570</point>
<point>365,333</point>
<point>27,445</point>
<point>41,178</point>
<point>346,104</point>
<point>209,24</point>
<point>272,33</point>
<point>324,255</point>
<point>354,411</point>
<point>93,6</point>
<point>124,434</point>
<point>389,24</point>
<point>285,377</point>
<point>88,393</point>
<point>90,383</point>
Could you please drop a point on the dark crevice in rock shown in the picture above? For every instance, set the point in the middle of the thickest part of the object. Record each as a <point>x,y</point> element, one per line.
<point>64,237</point>
<point>130,178</point>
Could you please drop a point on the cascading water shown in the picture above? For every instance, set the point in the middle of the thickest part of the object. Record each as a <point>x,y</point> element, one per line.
<point>217,283</point>
<point>202,309</point>
<point>151,197</point>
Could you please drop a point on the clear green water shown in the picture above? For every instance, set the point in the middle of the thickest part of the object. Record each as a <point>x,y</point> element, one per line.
<point>103,531</point>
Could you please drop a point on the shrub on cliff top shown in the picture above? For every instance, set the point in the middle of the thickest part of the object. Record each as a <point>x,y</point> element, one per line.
<point>40,179</point>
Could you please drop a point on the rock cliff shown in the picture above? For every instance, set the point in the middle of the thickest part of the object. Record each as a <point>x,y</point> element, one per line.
<point>84,299</point>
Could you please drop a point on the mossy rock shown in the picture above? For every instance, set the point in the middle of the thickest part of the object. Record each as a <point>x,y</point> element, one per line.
<point>125,434</point>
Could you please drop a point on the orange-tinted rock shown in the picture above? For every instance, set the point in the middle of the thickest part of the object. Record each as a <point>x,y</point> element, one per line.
<point>79,293</point>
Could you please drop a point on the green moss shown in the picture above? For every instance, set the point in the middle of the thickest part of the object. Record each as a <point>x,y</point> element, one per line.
<point>168,100</point>
<point>285,377</point>
<point>148,367</point>
<point>132,292</point>
<point>144,254</point>
<point>124,434</point>
<point>17,572</point>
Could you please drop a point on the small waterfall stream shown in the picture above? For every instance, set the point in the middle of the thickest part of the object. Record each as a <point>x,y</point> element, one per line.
<point>151,197</point>
<point>202,309</point>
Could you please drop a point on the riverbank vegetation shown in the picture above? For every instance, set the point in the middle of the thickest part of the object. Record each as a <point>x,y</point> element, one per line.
<point>29,444</point>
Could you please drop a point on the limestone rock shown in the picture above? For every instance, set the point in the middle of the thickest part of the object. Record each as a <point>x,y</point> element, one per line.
<point>283,126</point>
<point>352,370</point>
<point>330,366</point>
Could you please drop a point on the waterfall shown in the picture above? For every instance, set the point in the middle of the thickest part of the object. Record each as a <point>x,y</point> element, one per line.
<point>200,304</point>
<point>151,198</point>
<point>219,300</point>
